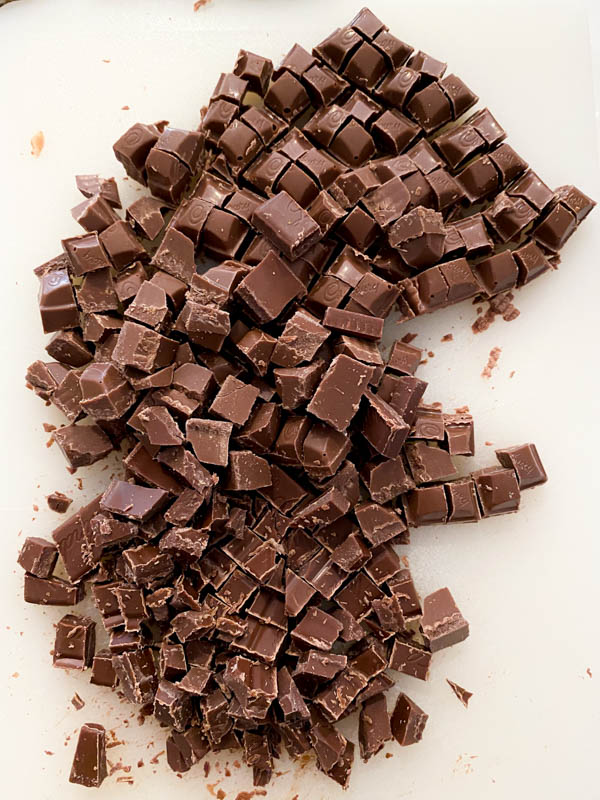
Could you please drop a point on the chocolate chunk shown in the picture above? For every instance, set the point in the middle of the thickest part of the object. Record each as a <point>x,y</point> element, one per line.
<point>363,326</point>
<point>68,347</point>
<point>426,505</point>
<point>428,423</point>
<point>374,727</point>
<point>56,299</point>
<point>103,673</point>
<point>172,706</point>
<point>89,762</point>
<point>186,749</point>
<point>133,501</point>
<point>82,445</point>
<point>338,395</point>
<point>136,672</point>
<point>302,336</point>
<point>463,694</point>
<point>51,591</point>
<point>75,642</point>
<point>497,490</point>
<point>408,721</point>
<point>463,505</point>
<point>459,434</point>
<point>442,624</point>
<point>429,463</point>
<point>410,659</point>
<point>38,557</point>
<point>72,540</point>
<point>526,463</point>
<point>263,641</point>
<point>386,478</point>
<point>142,348</point>
<point>383,427</point>
<point>234,401</point>
<point>378,523</point>
<point>419,237</point>
<point>287,225</point>
<point>317,629</point>
<point>247,472</point>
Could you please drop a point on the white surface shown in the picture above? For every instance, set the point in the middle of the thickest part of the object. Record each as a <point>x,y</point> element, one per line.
<point>528,583</point>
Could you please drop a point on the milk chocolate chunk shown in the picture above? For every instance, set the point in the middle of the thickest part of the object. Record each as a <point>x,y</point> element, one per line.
<point>419,237</point>
<point>386,478</point>
<point>410,659</point>
<point>105,394</point>
<point>295,385</point>
<point>144,468</point>
<point>75,642</point>
<point>394,132</point>
<point>142,348</point>
<point>374,727</point>
<point>72,539</point>
<point>327,292</point>
<point>351,554</point>
<point>94,214</point>
<point>525,462</point>
<point>378,523</point>
<point>442,624</point>
<point>209,440</point>
<point>247,472</point>
<point>254,69</point>
<point>383,427</point>
<point>51,591</point>
<point>97,292</point>
<point>428,423</point>
<point>160,427</point>
<point>38,557</point>
<point>463,505</point>
<point>149,306</point>
<point>269,288</point>
<point>234,401</point>
<point>85,253</point>
<point>89,762</point>
<point>425,505</point>
<point>375,295</point>
<point>317,629</point>
<point>136,672</point>
<point>337,397</point>
<point>261,640</point>
<point>68,347</point>
<point>103,673</point>
<point>132,606</point>
<point>257,346</point>
<point>82,445</point>
<point>531,262</point>
<point>497,490</point>
<point>498,273</point>
<point>175,255</point>
<point>133,501</point>
<point>58,309</point>
<point>363,326</point>
<point>357,595</point>
<point>167,176</point>
<point>404,358</point>
<point>145,215</point>
<point>90,185</point>
<point>459,434</point>
<point>172,706</point>
<point>429,463</point>
<point>287,225</point>
<point>324,450</point>
<point>302,336</point>
<point>408,721</point>
<point>186,749</point>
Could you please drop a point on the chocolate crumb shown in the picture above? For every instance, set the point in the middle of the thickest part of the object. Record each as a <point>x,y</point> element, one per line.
<point>492,362</point>
<point>59,502</point>
<point>409,337</point>
<point>37,144</point>
<point>78,702</point>
<point>48,427</point>
<point>447,337</point>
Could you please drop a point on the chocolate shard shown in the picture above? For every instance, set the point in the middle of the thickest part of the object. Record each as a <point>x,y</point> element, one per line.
<point>410,658</point>
<point>408,721</point>
<point>442,624</point>
<point>463,694</point>
<point>374,726</point>
<point>89,762</point>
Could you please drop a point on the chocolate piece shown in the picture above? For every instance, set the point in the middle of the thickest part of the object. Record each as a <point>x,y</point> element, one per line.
<point>94,214</point>
<point>428,423</point>
<point>497,490</point>
<point>247,472</point>
<point>317,629</point>
<point>410,659</point>
<point>324,450</point>
<point>82,445</point>
<point>72,539</point>
<point>261,640</point>
<point>459,434</point>
<point>269,288</point>
<point>287,225</point>
<point>68,348</point>
<point>210,440</point>
<point>160,427</point>
<point>463,694</point>
<point>51,591</point>
<point>301,338</point>
<point>374,726</point>
<point>234,401</point>
<point>442,624</point>
<point>378,523</point>
<point>338,395</point>
<point>363,326</point>
<point>186,749</point>
<point>89,762</point>
<point>38,557</point>
<point>462,501</point>
<point>287,97</point>
<point>85,253</point>
<point>386,479</point>
<point>133,501</point>
<point>90,185</point>
<point>425,505</point>
<point>75,642</point>
<point>404,358</point>
<point>429,463</point>
<point>383,427</point>
<point>137,675</point>
<point>255,70</point>
<point>172,706</point>
<point>525,462</point>
<point>58,309</point>
<point>146,216</point>
<point>142,348</point>
<point>103,673</point>
<point>295,385</point>
<point>408,721</point>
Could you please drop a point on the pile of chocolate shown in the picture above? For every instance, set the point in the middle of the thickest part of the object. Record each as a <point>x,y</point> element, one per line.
<point>225,335</point>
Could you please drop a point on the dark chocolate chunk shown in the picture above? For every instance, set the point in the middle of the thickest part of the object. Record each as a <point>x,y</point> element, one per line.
<point>408,721</point>
<point>38,557</point>
<point>89,762</point>
<point>75,642</point>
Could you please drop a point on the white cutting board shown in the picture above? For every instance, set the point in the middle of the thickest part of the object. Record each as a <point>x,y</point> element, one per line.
<point>528,583</point>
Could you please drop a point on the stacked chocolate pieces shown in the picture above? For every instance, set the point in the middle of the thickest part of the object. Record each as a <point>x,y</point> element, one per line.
<point>245,567</point>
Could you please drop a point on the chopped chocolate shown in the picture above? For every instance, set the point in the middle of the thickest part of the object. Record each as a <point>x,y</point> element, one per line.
<point>51,591</point>
<point>442,624</point>
<point>408,721</point>
<point>374,726</point>
<point>338,395</point>
<point>497,490</point>
<point>136,672</point>
<point>526,463</point>
<point>82,445</point>
<point>463,694</point>
<point>38,557</point>
<point>234,401</point>
<point>103,672</point>
<point>89,762</point>
<point>75,642</point>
